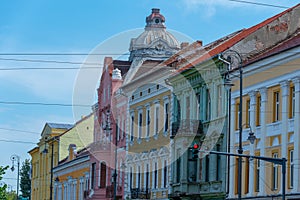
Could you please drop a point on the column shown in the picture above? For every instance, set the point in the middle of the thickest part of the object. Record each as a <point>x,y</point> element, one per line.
<point>232,174</point>
<point>296,82</point>
<point>284,118</point>
<point>252,124</point>
<point>264,98</point>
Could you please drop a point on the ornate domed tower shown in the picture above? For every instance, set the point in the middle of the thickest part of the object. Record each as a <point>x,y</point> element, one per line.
<point>155,43</point>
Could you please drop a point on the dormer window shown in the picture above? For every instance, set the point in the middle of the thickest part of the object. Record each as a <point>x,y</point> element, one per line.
<point>157,21</point>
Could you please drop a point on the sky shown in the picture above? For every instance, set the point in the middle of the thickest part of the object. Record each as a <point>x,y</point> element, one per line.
<point>61,34</point>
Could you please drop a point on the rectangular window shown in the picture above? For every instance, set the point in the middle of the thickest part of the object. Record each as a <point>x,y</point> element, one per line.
<point>148,122</point>
<point>237,116</point>
<point>117,130</point>
<point>132,128</point>
<point>219,100</point>
<point>147,177</point>
<point>247,176</point>
<point>292,102</point>
<point>207,168</point>
<point>166,127</point>
<point>276,106</point>
<point>275,173</point>
<point>140,124</point>
<point>248,111</point>
<point>199,108</point>
<point>165,174</point>
<point>122,128</point>
<point>236,175</point>
<point>178,166</point>
<point>257,175</point>
<point>208,106</point>
<point>188,108</point>
<point>218,163</point>
<point>130,178</point>
<point>93,178</point>
<point>258,111</point>
<point>155,175</point>
<point>291,172</point>
<point>102,175</point>
<point>139,177</point>
<point>156,118</point>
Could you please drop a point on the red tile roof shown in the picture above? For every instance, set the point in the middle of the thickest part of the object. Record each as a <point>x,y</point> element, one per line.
<point>224,45</point>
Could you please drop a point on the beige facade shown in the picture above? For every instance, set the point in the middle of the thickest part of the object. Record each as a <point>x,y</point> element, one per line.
<point>149,138</point>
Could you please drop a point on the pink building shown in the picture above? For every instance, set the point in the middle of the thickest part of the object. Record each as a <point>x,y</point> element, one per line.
<point>109,130</point>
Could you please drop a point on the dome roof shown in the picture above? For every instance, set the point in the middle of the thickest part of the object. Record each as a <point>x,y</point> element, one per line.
<point>152,37</point>
<point>155,37</point>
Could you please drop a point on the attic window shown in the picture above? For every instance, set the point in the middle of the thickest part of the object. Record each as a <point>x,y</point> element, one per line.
<point>156,21</point>
<point>141,94</point>
<point>132,97</point>
<point>149,90</point>
<point>157,87</point>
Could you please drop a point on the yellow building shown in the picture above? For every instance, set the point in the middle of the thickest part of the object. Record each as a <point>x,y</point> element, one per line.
<point>71,176</point>
<point>81,134</point>
<point>52,148</point>
<point>270,109</point>
<point>41,158</point>
<point>148,115</point>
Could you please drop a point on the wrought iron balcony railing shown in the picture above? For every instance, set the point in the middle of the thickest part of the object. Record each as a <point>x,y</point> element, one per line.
<point>187,127</point>
<point>140,193</point>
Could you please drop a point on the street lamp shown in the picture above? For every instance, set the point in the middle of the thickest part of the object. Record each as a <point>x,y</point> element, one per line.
<point>232,57</point>
<point>45,151</point>
<point>15,158</point>
<point>108,129</point>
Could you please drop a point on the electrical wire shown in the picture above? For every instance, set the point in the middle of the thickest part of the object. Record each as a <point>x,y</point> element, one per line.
<point>43,104</point>
<point>17,141</point>
<point>47,61</point>
<point>259,4</point>
<point>17,130</point>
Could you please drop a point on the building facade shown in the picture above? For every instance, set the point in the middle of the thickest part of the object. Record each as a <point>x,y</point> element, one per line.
<point>72,176</point>
<point>108,136</point>
<point>200,117</point>
<point>270,110</point>
<point>148,111</point>
<point>43,156</point>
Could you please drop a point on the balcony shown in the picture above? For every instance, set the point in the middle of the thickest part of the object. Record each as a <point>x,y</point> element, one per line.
<point>187,127</point>
<point>140,193</point>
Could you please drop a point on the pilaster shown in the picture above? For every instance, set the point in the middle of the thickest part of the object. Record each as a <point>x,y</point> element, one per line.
<point>264,98</point>
<point>296,184</point>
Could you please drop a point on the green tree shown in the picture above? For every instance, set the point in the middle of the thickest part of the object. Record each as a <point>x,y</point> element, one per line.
<point>3,188</point>
<point>25,179</point>
<point>11,195</point>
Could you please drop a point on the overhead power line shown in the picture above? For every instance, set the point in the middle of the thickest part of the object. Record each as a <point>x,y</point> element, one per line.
<point>260,4</point>
<point>17,130</point>
<point>61,54</point>
<point>17,141</point>
<point>48,61</point>
<point>46,68</point>
<point>42,104</point>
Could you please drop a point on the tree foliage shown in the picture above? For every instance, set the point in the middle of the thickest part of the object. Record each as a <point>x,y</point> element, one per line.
<point>12,195</point>
<point>25,183</point>
<point>4,186</point>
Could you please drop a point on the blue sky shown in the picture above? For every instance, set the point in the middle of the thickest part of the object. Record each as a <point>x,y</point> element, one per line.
<point>40,26</point>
